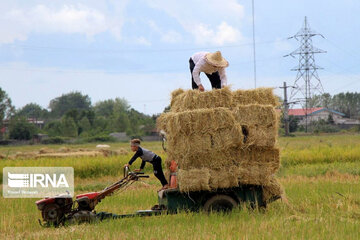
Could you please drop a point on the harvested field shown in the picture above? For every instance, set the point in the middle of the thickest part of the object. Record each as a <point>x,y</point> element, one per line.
<point>65,152</point>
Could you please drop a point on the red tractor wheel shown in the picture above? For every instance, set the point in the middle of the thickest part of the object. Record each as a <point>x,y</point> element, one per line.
<point>220,203</point>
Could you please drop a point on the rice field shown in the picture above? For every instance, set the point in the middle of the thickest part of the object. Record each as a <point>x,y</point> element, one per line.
<point>320,174</point>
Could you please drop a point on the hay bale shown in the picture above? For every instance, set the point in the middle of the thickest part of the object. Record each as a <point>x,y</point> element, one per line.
<point>25,155</point>
<point>262,96</point>
<point>71,154</point>
<point>174,94</point>
<point>45,150</point>
<point>206,137</point>
<point>194,180</point>
<point>194,99</point>
<point>64,150</point>
<point>224,178</point>
<point>122,151</point>
<point>273,190</point>
<point>83,150</point>
<point>204,144</point>
<point>260,136</point>
<point>102,146</point>
<point>199,121</point>
<point>255,114</point>
<point>257,165</point>
<point>259,123</point>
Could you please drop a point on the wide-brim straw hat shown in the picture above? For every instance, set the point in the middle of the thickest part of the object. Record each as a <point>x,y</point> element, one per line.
<point>216,59</point>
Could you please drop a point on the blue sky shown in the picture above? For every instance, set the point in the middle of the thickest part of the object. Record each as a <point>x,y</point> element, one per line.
<point>139,49</point>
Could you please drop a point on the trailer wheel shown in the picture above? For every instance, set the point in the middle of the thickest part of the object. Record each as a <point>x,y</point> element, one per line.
<point>220,203</point>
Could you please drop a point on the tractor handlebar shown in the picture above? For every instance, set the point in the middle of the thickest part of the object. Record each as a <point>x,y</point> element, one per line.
<point>128,172</point>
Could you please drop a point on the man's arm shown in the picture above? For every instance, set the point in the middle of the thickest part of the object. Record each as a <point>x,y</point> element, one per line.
<point>142,165</point>
<point>223,77</point>
<point>196,73</point>
<point>138,153</point>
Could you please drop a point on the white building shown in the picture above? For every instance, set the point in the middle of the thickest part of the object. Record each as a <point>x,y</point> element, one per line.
<point>316,114</point>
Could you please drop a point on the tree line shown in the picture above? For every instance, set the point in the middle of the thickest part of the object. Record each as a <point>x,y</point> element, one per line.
<point>347,103</point>
<point>72,115</point>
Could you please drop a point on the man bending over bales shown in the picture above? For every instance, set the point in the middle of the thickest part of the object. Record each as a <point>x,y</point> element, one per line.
<point>213,65</point>
<point>147,156</point>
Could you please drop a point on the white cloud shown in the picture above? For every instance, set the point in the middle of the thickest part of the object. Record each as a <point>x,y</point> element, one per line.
<point>17,23</point>
<point>223,34</point>
<point>283,45</point>
<point>207,21</point>
<point>142,41</point>
<point>170,36</point>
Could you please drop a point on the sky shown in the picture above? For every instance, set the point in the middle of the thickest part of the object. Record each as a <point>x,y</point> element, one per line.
<point>140,49</point>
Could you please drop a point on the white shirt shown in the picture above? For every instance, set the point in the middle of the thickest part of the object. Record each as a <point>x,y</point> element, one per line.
<point>202,66</point>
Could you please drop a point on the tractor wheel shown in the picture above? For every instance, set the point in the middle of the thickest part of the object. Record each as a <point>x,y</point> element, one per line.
<point>83,217</point>
<point>52,214</point>
<point>220,203</point>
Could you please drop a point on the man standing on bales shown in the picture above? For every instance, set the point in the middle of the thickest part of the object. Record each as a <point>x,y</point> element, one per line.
<point>147,156</point>
<point>213,65</point>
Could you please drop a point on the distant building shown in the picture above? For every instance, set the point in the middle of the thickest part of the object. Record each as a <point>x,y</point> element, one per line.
<point>320,113</point>
<point>37,122</point>
<point>120,136</point>
<point>154,135</point>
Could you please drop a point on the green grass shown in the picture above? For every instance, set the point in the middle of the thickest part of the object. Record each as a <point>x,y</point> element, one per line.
<point>320,174</point>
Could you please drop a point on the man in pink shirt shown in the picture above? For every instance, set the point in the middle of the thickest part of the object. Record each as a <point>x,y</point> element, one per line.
<point>213,65</point>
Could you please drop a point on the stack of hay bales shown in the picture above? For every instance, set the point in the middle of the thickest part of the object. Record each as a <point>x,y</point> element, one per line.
<point>223,138</point>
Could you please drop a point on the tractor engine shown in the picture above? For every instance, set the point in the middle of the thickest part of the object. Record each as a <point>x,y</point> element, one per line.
<point>53,209</point>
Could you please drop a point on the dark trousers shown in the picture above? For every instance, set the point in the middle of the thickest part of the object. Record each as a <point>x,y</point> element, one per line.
<point>158,172</point>
<point>214,77</point>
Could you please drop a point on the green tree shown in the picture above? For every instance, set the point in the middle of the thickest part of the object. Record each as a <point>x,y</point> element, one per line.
<point>108,107</point>
<point>6,108</point>
<point>68,127</point>
<point>32,110</point>
<point>20,129</point>
<point>84,125</point>
<point>66,102</point>
<point>53,128</point>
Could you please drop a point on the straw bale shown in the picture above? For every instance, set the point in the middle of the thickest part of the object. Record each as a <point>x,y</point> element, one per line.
<point>197,121</point>
<point>225,178</point>
<point>174,94</point>
<point>205,134</point>
<point>46,150</point>
<point>260,136</point>
<point>64,150</point>
<point>258,164</point>
<point>255,114</point>
<point>263,96</point>
<point>122,151</point>
<point>194,99</point>
<point>194,179</point>
<point>25,155</point>
<point>71,154</point>
<point>272,190</point>
<point>260,122</point>
<point>268,158</point>
<point>83,150</point>
<point>203,144</point>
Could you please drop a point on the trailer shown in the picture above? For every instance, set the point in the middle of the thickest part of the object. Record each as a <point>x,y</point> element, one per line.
<point>63,209</point>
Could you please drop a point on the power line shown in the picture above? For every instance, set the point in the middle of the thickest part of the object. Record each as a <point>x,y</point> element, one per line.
<point>254,50</point>
<point>129,71</point>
